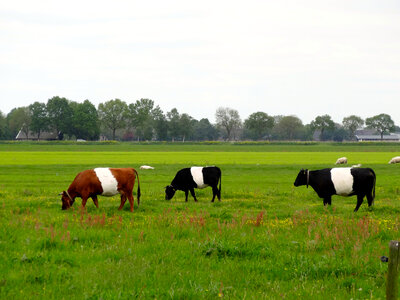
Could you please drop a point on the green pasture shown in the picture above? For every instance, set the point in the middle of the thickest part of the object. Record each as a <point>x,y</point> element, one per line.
<point>266,239</point>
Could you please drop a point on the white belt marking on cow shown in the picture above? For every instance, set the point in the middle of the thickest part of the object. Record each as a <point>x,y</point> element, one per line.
<point>197,174</point>
<point>108,181</point>
<point>342,181</point>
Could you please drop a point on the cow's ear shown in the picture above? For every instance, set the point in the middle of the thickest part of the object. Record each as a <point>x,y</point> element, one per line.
<point>60,194</point>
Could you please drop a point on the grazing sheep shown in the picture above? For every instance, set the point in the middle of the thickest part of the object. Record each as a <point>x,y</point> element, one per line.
<point>341,160</point>
<point>146,168</point>
<point>395,160</point>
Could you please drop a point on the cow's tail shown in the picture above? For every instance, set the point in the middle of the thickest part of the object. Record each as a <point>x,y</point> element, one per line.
<point>220,181</point>
<point>373,192</point>
<point>138,189</point>
<point>373,187</point>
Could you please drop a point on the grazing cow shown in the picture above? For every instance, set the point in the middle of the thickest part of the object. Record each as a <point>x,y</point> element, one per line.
<point>195,177</point>
<point>102,181</point>
<point>341,160</point>
<point>395,160</point>
<point>340,181</point>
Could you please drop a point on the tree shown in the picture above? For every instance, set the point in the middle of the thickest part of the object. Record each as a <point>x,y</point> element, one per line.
<point>140,118</point>
<point>173,118</point>
<point>3,125</point>
<point>19,119</point>
<point>186,126</point>
<point>383,123</point>
<point>203,130</point>
<point>39,118</point>
<point>259,125</point>
<point>85,121</point>
<point>323,123</point>
<point>228,119</point>
<point>351,124</point>
<point>160,124</point>
<point>288,128</point>
<point>60,114</point>
<point>113,115</point>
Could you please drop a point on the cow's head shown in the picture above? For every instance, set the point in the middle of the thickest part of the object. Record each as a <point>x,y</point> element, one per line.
<point>302,178</point>
<point>169,192</point>
<point>66,200</point>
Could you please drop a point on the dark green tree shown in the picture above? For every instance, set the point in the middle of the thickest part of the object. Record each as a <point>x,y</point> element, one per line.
<point>140,117</point>
<point>3,126</point>
<point>383,123</point>
<point>174,126</point>
<point>203,130</point>
<point>19,119</point>
<point>39,118</point>
<point>288,128</point>
<point>323,123</point>
<point>259,125</point>
<point>60,114</point>
<point>85,121</point>
<point>186,126</point>
<point>351,124</point>
<point>160,124</point>
<point>113,115</point>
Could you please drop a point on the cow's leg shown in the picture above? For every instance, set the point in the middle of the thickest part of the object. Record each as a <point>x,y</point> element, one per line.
<point>215,193</point>
<point>95,201</point>
<point>123,200</point>
<point>193,194</point>
<point>84,200</point>
<point>131,201</point>
<point>186,195</point>
<point>360,199</point>
<point>370,199</point>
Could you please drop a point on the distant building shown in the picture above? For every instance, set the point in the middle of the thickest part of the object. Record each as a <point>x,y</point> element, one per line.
<point>377,138</point>
<point>32,136</point>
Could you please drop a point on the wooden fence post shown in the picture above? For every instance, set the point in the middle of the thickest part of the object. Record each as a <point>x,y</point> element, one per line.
<point>392,287</point>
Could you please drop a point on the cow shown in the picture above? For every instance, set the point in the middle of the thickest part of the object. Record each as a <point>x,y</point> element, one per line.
<point>188,179</point>
<point>341,160</point>
<point>340,181</point>
<point>102,181</point>
<point>395,160</point>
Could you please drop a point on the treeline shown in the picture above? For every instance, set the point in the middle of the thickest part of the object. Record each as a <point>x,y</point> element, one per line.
<point>143,120</point>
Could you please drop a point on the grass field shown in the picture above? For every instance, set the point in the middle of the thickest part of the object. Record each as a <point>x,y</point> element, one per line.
<point>266,239</point>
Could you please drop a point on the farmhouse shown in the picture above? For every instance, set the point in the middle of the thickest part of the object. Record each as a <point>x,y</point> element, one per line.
<point>377,138</point>
<point>33,136</point>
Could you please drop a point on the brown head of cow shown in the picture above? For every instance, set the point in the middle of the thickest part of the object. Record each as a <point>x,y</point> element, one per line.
<point>66,200</point>
<point>102,181</point>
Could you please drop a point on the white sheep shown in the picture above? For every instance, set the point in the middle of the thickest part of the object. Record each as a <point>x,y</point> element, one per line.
<point>395,160</point>
<point>146,167</point>
<point>341,160</point>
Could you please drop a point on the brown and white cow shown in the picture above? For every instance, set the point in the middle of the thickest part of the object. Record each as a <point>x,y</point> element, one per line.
<point>102,181</point>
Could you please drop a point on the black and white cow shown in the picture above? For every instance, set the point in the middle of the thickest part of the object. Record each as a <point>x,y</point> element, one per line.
<point>188,179</point>
<point>340,181</point>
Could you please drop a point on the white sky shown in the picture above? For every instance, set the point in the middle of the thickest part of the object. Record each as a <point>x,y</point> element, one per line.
<point>306,58</point>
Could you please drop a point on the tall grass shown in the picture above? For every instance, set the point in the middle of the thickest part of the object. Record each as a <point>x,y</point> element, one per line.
<point>265,239</point>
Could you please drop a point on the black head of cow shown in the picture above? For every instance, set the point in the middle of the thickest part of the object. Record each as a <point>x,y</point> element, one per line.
<point>169,192</point>
<point>302,178</point>
<point>66,200</point>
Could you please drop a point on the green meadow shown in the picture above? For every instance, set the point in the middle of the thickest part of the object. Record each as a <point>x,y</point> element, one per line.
<point>265,239</point>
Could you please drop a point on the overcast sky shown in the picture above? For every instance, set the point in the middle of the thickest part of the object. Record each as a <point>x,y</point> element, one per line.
<point>303,58</point>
